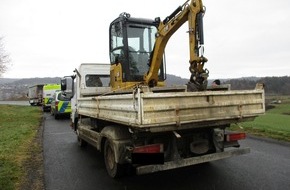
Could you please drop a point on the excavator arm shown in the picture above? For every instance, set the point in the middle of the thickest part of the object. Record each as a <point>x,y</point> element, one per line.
<point>192,12</point>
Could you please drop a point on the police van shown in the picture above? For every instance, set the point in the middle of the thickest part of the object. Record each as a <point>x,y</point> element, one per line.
<point>60,104</point>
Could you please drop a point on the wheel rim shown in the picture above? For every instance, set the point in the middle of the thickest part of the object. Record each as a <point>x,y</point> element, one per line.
<point>110,157</point>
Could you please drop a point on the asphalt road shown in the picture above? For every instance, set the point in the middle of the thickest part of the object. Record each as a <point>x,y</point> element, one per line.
<point>67,166</point>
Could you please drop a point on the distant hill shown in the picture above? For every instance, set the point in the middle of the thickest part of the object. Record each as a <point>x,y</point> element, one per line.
<point>33,81</point>
<point>273,85</point>
<point>172,80</point>
<point>7,80</point>
<point>17,89</point>
<point>11,89</point>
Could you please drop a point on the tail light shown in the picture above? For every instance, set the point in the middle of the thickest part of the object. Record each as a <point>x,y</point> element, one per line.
<point>148,154</point>
<point>152,148</point>
<point>56,105</point>
<point>235,137</point>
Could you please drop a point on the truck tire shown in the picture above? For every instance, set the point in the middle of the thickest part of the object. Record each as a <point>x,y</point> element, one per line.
<point>114,169</point>
<point>75,124</point>
<point>81,142</point>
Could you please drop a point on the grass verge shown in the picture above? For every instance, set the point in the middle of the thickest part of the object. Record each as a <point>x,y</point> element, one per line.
<point>274,124</point>
<point>20,148</point>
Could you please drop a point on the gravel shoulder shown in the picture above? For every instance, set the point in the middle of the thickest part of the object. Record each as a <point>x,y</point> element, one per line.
<point>34,165</point>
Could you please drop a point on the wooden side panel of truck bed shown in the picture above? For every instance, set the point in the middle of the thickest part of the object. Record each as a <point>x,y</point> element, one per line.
<point>175,109</point>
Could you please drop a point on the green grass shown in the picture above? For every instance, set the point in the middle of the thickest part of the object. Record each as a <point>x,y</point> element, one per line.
<point>274,124</point>
<point>18,129</point>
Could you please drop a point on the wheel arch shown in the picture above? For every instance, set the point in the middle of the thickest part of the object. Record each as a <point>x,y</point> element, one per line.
<point>119,137</point>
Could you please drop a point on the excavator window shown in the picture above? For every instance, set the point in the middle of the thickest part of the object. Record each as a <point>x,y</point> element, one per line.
<point>140,42</point>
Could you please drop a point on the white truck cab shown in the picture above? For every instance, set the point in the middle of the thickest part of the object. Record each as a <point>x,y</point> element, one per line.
<point>91,79</point>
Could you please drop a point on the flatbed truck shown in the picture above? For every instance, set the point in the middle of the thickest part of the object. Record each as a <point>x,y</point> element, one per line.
<point>138,122</point>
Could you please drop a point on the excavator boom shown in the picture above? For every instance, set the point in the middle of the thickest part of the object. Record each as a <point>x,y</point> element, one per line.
<point>191,12</point>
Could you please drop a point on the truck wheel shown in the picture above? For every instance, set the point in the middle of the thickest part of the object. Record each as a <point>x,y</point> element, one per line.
<point>114,169</point>
<point>75,124</point>
<point>81,142</point>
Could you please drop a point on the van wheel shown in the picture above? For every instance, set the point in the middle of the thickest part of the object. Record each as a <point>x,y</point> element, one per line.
<point>114,169</point>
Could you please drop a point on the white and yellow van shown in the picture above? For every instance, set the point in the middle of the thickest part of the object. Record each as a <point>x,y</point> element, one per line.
<point>60,104</point>
<point>48,91</point>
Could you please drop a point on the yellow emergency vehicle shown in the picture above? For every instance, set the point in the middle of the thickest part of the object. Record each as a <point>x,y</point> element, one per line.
<point>48,91</point>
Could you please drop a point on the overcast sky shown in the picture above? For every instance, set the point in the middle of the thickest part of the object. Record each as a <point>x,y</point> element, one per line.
<point>50,38</point>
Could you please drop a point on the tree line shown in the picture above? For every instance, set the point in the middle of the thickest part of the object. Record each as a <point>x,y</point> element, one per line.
<point>273,85</point>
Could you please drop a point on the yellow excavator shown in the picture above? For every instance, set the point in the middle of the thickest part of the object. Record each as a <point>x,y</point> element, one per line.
<point>137,48</point>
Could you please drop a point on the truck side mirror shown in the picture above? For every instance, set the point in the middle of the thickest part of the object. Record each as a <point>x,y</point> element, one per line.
<point>63,84</point>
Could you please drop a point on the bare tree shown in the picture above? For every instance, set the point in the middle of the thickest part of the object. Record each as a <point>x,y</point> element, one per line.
<point>4,58</point>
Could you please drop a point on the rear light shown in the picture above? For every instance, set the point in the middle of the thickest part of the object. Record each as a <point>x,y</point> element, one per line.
<point>152,148</point>
<point>235,137</point>
<point>148,154</point>
<point>56,105</point>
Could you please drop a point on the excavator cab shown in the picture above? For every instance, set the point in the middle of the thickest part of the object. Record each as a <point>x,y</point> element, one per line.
<point>131,44</point>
